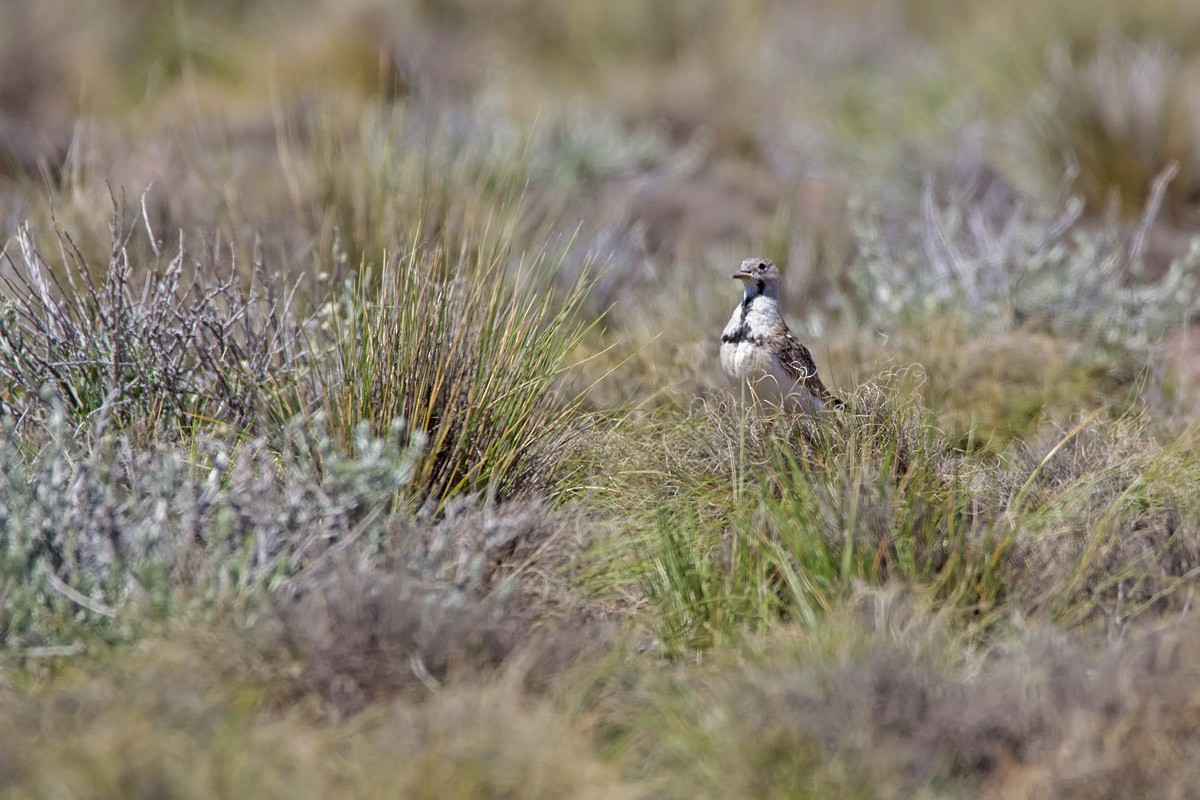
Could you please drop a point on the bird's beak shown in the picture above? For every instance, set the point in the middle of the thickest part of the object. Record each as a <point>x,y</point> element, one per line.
<point>743,274</point>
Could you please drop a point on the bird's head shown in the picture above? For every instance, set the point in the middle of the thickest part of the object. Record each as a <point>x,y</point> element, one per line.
<point>756,271</point>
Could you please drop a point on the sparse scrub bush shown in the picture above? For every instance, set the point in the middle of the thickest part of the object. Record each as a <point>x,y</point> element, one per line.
<point>1018,313</point>
<point>100,537</point>
<point>94,534</point>
<point>159,345</point>
<point>465,595</point>
<point>1010,264</point>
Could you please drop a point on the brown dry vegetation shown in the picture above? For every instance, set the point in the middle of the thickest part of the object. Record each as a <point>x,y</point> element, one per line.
<point>362,431</point>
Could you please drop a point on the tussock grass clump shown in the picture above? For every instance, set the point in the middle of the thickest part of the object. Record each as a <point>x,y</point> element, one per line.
<point>807,508</point>
<point>144,344</point>
<point>1119,116</point>
<point>468,346</point>
<point>465,331</point>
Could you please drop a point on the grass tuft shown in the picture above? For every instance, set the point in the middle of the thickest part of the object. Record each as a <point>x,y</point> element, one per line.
<point>469,346</point>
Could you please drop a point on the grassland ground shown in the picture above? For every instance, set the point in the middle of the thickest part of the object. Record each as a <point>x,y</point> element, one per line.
<point>362,430</point>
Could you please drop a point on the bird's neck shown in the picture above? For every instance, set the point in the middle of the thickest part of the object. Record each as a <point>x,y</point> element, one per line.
<point>760,306</point>
<point>760,289</point>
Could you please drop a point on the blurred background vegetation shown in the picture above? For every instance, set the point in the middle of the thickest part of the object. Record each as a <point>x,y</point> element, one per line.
<point>363,432</point>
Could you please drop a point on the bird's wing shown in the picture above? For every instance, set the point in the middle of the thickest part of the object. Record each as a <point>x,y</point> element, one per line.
<point>799,365</point>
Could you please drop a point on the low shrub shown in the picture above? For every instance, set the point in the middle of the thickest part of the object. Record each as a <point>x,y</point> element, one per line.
<point>156,345</point>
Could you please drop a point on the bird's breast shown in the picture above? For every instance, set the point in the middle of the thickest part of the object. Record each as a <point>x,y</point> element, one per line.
<point>747,359</point>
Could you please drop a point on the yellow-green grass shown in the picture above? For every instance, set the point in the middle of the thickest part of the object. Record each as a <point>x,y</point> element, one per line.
<point>469,347</point>
<point>734,522</point>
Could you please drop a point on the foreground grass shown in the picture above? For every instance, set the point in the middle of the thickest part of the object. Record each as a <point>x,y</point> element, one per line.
<point>880,700</point>
<point>203,714</point>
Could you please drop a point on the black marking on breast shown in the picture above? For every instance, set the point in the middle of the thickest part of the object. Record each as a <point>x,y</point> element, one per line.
<point>741,334</point>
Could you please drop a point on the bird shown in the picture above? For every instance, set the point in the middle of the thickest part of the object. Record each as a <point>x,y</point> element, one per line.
<point>757,347</point>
